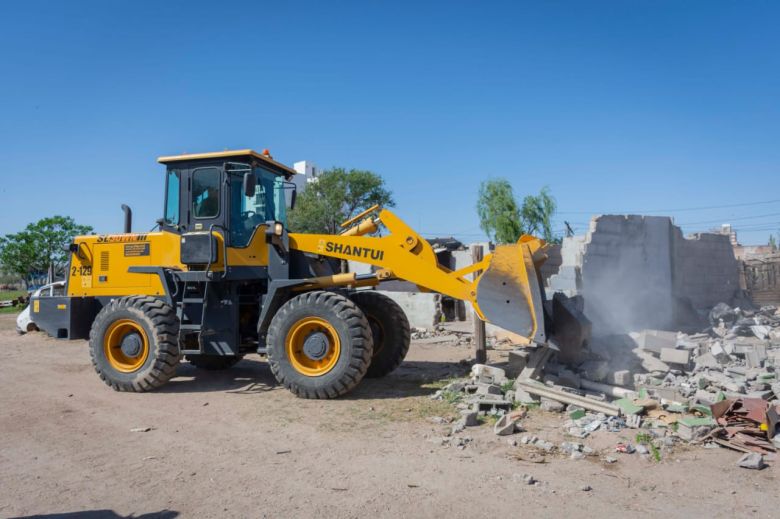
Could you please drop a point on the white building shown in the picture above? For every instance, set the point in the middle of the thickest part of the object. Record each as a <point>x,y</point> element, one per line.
<point>307,172</point>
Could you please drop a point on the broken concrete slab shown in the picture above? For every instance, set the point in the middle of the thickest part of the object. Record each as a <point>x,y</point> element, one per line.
<point>535,388</point>
<point>650,363</point>
<point>717,351</point>
<point>505,425</point>
<point>655,340</point>
<point>518,360</point>
<point>674,356</point>
<point>706,361</point>
<point>525,398</point>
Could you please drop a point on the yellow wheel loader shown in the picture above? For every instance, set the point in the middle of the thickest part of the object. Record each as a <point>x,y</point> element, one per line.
<point>223,278</point>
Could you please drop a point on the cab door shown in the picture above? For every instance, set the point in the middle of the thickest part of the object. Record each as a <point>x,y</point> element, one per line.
<point>206,199</point>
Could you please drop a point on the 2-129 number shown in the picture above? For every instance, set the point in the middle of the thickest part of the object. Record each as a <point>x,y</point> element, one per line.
<point>81,271</point>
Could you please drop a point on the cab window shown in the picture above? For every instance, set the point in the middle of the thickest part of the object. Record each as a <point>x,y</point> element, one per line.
<point>205,193</point>
<point>246,213</point>
<point>172,197</point>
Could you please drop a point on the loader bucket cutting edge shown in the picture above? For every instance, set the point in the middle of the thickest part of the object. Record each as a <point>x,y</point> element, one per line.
<point>508,292</point>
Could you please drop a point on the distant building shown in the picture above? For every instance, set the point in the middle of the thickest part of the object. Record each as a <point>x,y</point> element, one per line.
<point>743,252</point>
<point>307,172</point>
<point>730,232</point>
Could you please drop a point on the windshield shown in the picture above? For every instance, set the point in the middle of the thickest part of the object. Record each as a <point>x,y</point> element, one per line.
<point>246,213</point>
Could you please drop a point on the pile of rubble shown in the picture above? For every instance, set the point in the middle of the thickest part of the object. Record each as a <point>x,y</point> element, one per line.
<point>719,387</point>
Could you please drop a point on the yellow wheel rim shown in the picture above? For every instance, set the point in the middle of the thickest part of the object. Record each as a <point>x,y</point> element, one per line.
<point>313,347</point>
<point>136,342</point>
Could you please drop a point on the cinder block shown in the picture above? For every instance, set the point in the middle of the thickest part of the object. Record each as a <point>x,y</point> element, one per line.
<point>621,377</point>
<point>672,356</point>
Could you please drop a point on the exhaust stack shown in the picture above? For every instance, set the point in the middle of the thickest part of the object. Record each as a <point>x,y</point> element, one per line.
<point>128,219</point>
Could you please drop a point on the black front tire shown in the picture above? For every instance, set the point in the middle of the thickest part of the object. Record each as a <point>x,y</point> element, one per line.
<point>353,334</point>
<point>389,328</point>
<point>213,362</point>
<point>152,319</point>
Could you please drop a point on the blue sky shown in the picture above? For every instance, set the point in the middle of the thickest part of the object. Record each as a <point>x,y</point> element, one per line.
<point>656,107</point>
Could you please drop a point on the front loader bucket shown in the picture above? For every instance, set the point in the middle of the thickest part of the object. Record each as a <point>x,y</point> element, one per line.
<point>509,292</point>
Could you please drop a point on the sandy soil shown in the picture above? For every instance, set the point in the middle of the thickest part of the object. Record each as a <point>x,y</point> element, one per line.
<point>231,444</point>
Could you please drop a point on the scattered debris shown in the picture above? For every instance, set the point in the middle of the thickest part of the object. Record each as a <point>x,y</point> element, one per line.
<point>470,418</point>
<point>718,387</point>
<point>625,448</point>
<point>505,425</point>
<point>751,460</point>
<point>551,406</point>
<point>140,429</point>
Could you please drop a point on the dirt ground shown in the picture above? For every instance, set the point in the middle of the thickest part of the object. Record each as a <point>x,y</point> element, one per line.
<point>232,444</point>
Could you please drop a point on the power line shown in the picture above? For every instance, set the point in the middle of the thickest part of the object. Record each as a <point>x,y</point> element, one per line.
<point>702,208</point>
<point>726,220</point>
<point>723,220</point>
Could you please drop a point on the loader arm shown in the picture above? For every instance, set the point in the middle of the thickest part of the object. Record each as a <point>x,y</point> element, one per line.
<point>506,293</point>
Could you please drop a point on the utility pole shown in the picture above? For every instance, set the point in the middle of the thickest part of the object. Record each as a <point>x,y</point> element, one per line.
<point>480,344</point>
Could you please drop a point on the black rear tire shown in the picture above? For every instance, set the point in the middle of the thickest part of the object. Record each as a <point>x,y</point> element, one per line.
<point>153,329</point>
<point>389,328</point>
<point>213,362</point>
<point>337,358</point>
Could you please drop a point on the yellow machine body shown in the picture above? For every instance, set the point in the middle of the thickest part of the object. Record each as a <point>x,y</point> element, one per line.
<point>101,265</point>
<point>505,292</point>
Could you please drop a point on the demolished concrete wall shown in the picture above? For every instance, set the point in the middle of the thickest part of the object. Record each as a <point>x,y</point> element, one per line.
<point>638,272</point>
<point>627,273</point>
<point>705,270</point>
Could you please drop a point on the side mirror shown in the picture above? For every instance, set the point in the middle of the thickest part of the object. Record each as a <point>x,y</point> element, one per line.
<point>290,201</point>
<point>250,182</point>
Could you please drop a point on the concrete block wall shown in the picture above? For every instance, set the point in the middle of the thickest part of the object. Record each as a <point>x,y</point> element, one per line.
<point>627,273</point>
<point>423,309</point>
<point>705,269</point>
<point>638,272</point>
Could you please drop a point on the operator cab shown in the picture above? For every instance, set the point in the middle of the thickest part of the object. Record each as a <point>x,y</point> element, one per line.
<point>231,191</point>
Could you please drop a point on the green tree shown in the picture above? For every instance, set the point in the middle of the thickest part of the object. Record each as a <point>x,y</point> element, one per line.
<point>773,242</point>
<point>537,212</point>
<point>41,247</point>
<point>504,220</point>
<point>499,214</point>
<point>336,196</point>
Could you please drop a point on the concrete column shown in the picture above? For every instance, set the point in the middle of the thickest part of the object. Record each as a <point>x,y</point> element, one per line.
<point>480,343</point>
